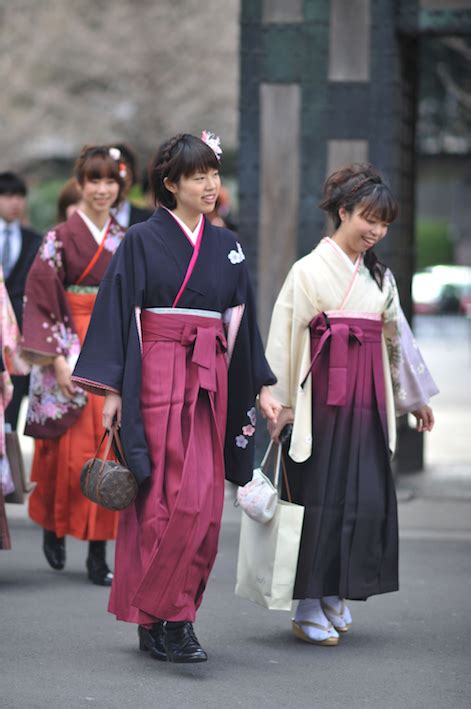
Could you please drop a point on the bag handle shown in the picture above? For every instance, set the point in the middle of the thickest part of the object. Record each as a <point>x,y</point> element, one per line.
<point>280,463</point>
<point>119,447</point>
<point>267,455</point>
<point>112,434</point>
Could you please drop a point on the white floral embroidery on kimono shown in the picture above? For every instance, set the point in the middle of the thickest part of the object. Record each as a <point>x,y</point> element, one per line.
<point>236,256</point>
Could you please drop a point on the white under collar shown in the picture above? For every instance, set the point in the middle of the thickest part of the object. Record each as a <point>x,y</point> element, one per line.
<point>97,233</point>
<point>192,235</point>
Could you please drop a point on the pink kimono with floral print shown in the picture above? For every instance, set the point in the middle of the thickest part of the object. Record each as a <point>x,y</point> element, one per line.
<point>11,363</point>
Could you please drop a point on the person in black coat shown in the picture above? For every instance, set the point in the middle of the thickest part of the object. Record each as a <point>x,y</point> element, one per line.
<point>18,247</point>
<point>127,213</point>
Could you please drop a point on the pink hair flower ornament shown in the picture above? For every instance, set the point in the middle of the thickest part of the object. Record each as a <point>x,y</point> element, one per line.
<point>213,141</point>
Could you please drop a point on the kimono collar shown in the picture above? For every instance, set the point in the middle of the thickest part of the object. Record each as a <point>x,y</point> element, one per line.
<point>191,235</point>
<point>333,244</point>
<point>97,233</point>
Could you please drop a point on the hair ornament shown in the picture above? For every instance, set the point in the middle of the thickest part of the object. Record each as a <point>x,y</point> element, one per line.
<point>361,183</point>
<point>213,141</point>
<point>115,153</point>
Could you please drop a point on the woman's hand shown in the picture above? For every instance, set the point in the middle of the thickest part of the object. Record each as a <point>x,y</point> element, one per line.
<point>270,408</point>
<point>286,416</point>
<point>64,376</point>
<point>425,419</point>
<point>112,409</point>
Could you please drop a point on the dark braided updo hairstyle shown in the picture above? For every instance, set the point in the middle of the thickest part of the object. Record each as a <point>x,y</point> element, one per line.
<point>182,155</point>
<point>360,185</point>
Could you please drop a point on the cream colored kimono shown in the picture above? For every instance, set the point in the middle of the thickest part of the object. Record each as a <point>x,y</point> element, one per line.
<point>327,281</point>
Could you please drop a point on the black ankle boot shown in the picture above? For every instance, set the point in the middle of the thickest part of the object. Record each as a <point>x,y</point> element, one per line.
<point>54,550</point>
<point>181,643</point>
<point>98,570</point>
<point>151,640</point>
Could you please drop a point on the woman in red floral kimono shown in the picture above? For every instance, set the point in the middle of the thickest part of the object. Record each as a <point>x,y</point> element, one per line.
<point>65,421</point>
<point>182,378</point>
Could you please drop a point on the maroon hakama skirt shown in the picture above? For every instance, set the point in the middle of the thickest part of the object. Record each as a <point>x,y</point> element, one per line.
<point>349,544</point>
<point>167,540</point>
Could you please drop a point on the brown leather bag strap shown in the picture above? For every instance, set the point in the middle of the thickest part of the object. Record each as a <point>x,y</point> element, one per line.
<point>108,433</point>
<point>285,477</point>
<point>119,445</point>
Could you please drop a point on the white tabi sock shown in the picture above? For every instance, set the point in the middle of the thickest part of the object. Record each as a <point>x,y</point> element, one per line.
<point>309,609</point>
<point>337,611</point>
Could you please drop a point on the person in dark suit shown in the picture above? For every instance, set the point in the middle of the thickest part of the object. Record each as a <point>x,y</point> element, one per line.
<point>18,247</point>
<point>127,213</point>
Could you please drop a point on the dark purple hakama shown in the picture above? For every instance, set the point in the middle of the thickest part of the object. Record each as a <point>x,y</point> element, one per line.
<point>349,544</point>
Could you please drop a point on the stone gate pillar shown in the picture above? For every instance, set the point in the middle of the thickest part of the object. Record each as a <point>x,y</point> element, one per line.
<point>323,82</point>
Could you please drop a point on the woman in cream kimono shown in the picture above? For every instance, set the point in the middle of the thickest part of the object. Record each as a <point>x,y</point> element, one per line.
<point>347,365</point>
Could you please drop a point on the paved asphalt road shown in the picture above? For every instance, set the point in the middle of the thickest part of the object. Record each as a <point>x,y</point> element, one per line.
<point>59,649</point>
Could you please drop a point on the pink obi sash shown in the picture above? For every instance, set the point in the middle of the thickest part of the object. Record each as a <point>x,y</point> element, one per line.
<point>341,331</point>
<point>205,336</point>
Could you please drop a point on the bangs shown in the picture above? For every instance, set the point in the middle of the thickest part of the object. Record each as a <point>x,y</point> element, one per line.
<point>98,167</point>
<point>379,205</point>
<point>194,156</point>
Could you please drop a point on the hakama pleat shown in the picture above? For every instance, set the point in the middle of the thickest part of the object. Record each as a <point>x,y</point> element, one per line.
<point>349,544</point>
<point>57,502</point>
<point>167,540</point>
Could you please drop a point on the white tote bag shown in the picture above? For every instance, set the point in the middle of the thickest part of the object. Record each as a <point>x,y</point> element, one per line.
<point>268,553</point>
<point>258,497</point>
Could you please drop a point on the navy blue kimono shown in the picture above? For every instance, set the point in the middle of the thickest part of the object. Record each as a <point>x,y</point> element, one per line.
<point>147,271</point>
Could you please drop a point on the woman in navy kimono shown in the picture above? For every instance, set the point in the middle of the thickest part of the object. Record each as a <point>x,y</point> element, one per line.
<point>174,346</point>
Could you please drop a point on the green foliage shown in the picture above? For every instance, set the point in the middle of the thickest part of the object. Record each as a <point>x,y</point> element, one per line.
<point>42,204</point>
<point>433,243</point>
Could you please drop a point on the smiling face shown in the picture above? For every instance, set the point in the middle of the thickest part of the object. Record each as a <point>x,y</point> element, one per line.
<point>195,194</point>
<point>99,195</point>
<point>359,232</point>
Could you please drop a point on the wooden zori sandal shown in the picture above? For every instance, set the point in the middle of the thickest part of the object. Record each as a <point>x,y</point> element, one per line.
<point>336,616</point>
<point>299,632</point>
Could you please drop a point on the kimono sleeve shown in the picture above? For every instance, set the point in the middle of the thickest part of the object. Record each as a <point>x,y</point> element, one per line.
<point>111,354</point>
<point>102,360</point>
<point>248,372</point>
<point>11,354</point>
<point>288,345</point>
<point>11,361</point>
<point>47,323</point>
<point>413,385</point>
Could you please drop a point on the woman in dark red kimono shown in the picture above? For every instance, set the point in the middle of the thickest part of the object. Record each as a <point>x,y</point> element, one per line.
<point>175,321</point>
<point>66,423</point>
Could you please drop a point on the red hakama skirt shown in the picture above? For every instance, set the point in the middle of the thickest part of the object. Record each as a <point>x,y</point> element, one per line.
<point>167,539</point>
<point>57,502</point>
